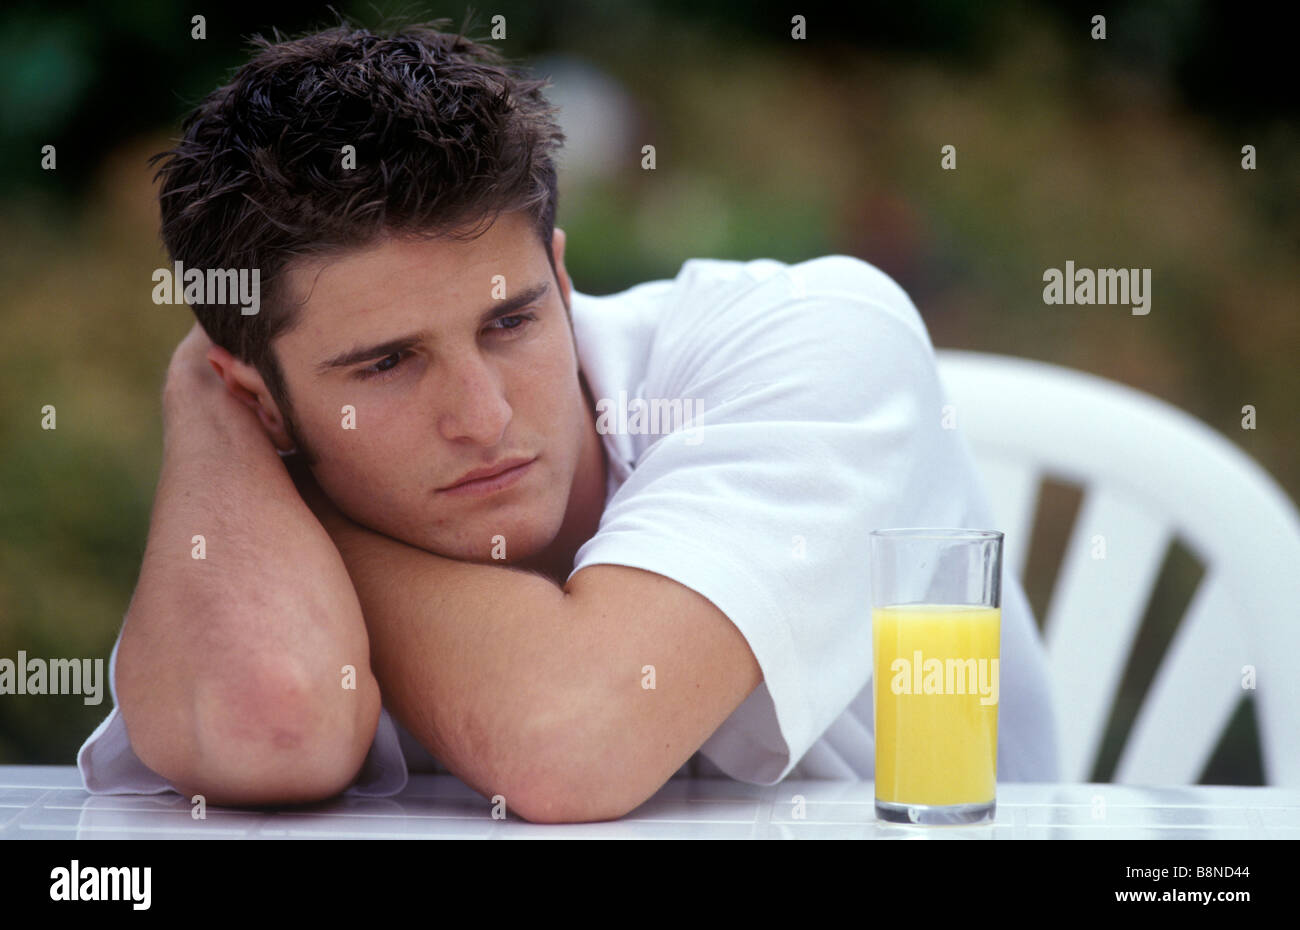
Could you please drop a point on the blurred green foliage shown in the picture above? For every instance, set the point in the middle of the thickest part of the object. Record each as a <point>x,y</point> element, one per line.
<point>1123,152</point>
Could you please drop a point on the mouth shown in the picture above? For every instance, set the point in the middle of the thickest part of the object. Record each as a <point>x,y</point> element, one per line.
<point>489,484</point>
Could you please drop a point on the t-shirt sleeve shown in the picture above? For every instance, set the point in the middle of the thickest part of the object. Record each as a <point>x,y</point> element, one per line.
<point>109,765</point>
<point>818,420</point>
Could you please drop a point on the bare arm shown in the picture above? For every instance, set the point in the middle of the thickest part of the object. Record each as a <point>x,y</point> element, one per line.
<point>536,692</point>
<point>229,672</point>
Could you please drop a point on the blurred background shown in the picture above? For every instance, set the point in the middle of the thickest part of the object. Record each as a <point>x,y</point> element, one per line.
<point>1117,153</point>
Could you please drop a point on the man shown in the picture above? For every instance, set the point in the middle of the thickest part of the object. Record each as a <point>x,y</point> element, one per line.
<point>635,590</point>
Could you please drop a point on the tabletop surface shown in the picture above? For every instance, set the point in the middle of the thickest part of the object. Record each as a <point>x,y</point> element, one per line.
<point>48,802</point>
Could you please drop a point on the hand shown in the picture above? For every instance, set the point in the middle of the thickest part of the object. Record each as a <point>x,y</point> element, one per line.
<point>196,398</point>
<point>190,358</point>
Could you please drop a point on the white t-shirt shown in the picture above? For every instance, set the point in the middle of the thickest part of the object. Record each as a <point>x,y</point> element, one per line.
<point>810,414</point>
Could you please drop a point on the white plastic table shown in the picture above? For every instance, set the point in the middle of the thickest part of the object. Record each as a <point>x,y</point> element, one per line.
<point>48,802</point>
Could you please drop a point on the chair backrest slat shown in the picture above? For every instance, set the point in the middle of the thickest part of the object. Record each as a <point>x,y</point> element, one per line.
<point>1111,562</point>
<point>1013,496</point>
<point>1196,689</point>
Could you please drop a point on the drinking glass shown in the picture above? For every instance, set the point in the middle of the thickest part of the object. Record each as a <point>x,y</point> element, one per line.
<point>936,624</point>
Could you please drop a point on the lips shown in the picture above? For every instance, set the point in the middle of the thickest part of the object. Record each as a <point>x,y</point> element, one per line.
<point>488,471</point>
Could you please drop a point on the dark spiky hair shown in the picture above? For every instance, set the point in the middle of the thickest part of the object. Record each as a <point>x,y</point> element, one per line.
<point>447,138</point>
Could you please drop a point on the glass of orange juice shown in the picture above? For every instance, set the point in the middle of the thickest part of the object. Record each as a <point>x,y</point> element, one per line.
<point>936,623</point>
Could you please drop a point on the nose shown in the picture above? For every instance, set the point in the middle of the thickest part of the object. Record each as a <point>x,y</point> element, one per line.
<point>472,403</point>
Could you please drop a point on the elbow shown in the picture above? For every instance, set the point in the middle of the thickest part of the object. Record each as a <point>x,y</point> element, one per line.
<point>279,741</point>
<point>571,786</point>
<point>557,806</point>
<point>572,803</point>
<point>547,762</point>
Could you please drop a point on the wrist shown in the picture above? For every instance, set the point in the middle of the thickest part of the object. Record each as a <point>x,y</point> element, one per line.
<point>201,417</point>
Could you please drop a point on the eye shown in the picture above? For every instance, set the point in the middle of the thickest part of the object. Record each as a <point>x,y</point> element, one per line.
<point>382,367</point>
<point>389,363</point>
<point>528,318</point>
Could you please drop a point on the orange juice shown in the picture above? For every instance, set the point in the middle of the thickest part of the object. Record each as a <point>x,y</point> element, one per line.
<point>936,702</point>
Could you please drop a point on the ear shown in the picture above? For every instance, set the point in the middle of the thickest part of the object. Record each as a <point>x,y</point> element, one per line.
<point>246,385</point>
<point>557,249</point>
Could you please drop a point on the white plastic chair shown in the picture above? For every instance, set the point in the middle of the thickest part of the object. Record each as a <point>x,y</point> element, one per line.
<point>1149,473</point>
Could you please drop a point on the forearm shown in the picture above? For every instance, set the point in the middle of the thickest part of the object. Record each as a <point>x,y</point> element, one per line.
<point>229,672</point>
<point>470,658</point>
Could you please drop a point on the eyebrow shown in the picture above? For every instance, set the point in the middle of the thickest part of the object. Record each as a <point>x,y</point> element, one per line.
<point>495,310</point>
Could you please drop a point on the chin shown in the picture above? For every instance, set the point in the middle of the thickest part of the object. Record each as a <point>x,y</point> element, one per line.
<point>483,540</point>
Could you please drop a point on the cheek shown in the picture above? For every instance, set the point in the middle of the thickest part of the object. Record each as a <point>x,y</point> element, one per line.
<point>372,485</point>
<point>552,379</point>
<point>352,423</point>
<point>361,444</point>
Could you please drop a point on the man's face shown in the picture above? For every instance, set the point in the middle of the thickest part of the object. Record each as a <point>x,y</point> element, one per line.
<point>444,378</point>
